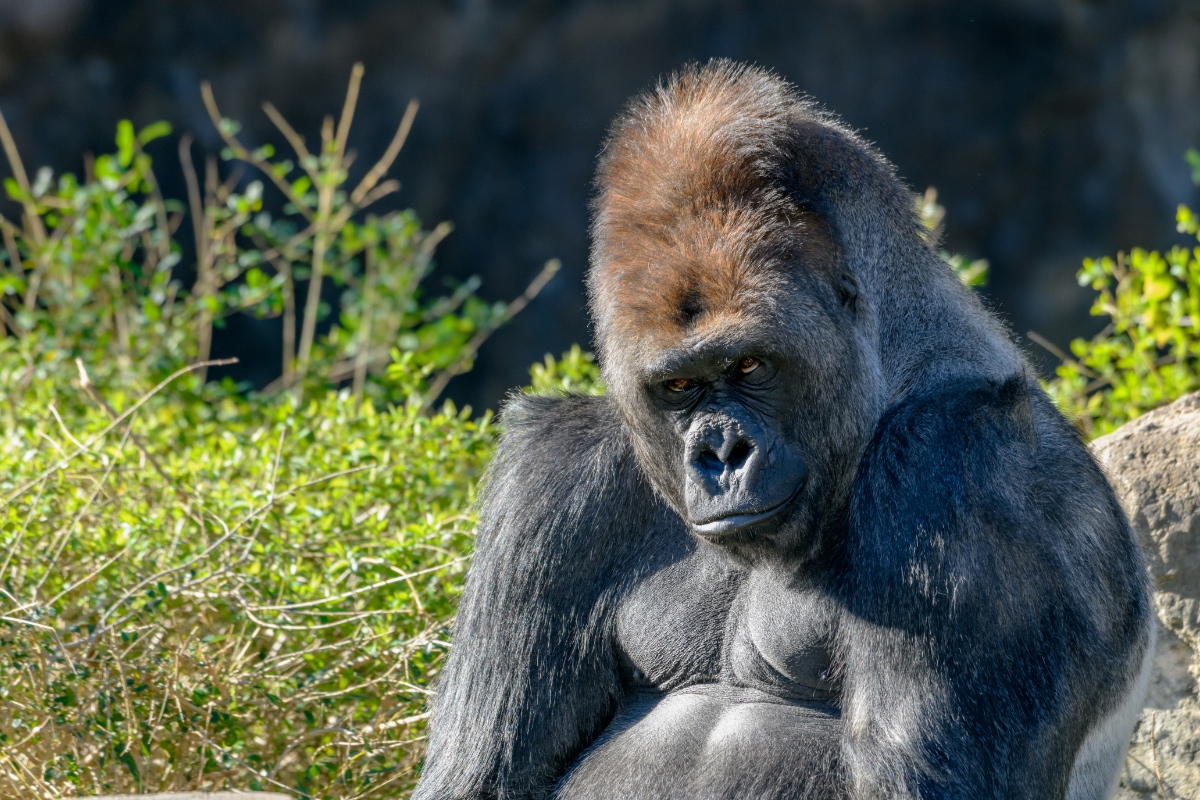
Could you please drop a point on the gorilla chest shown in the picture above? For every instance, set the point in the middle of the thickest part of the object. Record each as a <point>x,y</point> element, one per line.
<point>704,621</point>
<point>729,693</point>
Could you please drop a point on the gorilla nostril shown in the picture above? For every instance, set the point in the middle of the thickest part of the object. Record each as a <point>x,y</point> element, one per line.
<point>709,461</point>
<point>720,450</point>
<point>738,454</point>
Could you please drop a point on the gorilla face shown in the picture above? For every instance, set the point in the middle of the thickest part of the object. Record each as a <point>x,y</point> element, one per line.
<point>753,434</point>
<point>740,471</point>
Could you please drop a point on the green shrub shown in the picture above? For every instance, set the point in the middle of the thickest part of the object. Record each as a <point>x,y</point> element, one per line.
<point>201,588</point>
<point>225,594</point>
<point>1149,352</point>
<point>574,372</point>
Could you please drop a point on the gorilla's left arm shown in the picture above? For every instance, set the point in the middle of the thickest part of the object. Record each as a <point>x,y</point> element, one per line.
<point>988,577</point>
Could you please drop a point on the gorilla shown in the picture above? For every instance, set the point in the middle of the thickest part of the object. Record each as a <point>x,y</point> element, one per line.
<point>825,536</point>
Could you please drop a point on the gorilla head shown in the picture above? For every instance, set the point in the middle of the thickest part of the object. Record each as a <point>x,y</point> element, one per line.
<point>732,330</point>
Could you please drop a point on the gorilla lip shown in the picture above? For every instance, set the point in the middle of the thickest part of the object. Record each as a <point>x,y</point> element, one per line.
<point>736,522</point>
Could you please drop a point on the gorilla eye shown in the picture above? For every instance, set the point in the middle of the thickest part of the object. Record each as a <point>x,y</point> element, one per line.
<point>680,384</point>
<point>748,365</point>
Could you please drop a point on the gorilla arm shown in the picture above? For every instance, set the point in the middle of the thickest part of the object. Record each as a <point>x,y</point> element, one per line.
<point>532,676</point>
<point>988,579</point>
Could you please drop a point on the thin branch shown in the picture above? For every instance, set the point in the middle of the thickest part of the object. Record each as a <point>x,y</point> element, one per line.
<point>10,244</point>
<point>289,133</point>
<point>343,129</point>
<point>511,310</point>
<point>362,589</point>
<point>385,163</point>
<point>34,219</point>
<point>1162,790</point>
<point>1057,352</point>
<point>241,153</point>
<point>200,231</point>
<point>90,388</point>
<point>61,463</point>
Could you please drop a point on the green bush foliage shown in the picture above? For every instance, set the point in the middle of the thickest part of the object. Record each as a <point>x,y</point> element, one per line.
<point>224,594</point>
<point>574,372</point>
<point>202,588</point>
<point>1149,352</point>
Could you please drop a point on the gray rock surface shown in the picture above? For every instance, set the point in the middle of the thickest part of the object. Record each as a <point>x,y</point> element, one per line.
<point>1154,464</point>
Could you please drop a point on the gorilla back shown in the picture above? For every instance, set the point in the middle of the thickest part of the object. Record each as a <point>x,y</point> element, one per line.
<point>825,537</point>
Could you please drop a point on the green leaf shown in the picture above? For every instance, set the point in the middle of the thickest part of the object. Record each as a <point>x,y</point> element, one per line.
<point>13,189</point>
<point>1158,288</point>
<point>256,278</point>
<point>126,758</point>
<point>155,130</point>
<point>125,142</point>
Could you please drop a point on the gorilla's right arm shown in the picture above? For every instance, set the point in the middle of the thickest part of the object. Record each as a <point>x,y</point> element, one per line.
<point>532,677</point>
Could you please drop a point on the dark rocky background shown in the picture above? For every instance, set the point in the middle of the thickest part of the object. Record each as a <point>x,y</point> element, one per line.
<point>1053,129</point>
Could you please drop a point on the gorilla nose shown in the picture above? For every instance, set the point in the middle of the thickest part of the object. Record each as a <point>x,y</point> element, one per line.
<point>719,453</point>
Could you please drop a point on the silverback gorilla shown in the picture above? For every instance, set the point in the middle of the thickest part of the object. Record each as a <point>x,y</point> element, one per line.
<point>824,538</point>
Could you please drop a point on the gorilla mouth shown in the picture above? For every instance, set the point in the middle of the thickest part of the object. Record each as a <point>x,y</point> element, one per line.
<point>722,526</point>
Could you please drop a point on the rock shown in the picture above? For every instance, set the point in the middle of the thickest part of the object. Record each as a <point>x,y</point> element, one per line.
<point>1162,760</point>
<point>1154,465</point>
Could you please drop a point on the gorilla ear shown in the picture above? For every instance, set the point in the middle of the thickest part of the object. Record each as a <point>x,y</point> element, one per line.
<point>848,292</point>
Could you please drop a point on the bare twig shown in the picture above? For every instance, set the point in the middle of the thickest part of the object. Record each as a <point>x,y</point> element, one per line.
<point>468,352</point>
<point>347,117</point>
<point>89,387</point>
<point>363,589</point>
<point>205,282</point>
<point>385,163</point>
<point>1054,349</point>
<point>33,219</point>
<point>1162,789</point>
<point>242,154</point>
<point>293,138</point>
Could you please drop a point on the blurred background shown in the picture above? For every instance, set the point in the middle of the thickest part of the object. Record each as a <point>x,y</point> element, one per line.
<point>1052,129</point>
